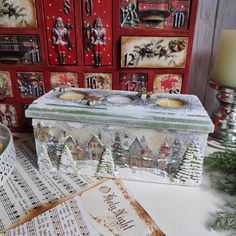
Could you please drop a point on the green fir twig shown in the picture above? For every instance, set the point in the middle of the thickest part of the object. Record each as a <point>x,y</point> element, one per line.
<point>225,220</point>
<point>221,168</point>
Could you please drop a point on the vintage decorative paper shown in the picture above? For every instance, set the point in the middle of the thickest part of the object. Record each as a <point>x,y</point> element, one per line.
<point>28,193</point>
<point>133,82</point>
<point>153,52</point>
<point>167,14</point>
<point>18,13</point>
<point>20,49</point>
<point>167,83</point>
<point>5,85</point>
<point>98,80</point>
<point>64,79</point>
<point>30,84</point>
<point>8,115</point>
<point>116,212</point>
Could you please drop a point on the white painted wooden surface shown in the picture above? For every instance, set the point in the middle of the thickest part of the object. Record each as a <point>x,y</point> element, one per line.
<point>213,16</point>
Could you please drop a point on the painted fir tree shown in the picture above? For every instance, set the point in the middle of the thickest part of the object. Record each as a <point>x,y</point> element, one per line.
<point>197,163</point>
<point>117,151</point>
<point>191,166</point>
<point>67,162</point>
<point>106,164</point>
<point>44,161</point>
<point>174,157</point>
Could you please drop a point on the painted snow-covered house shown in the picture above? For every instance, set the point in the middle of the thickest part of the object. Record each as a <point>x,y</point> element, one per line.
<point>146,153</point>
<point>137,153</point>
<point>135,149</point>
<point>163,154</point>
<point>147,158</point>
<point>76,151</point>
<point>95,148</point>
<point>126,151</point>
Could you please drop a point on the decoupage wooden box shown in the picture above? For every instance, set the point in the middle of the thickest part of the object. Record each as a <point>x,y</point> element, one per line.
<point>156,138</point>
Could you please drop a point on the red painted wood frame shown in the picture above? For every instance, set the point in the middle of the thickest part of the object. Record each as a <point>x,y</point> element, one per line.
<point>79,67</point>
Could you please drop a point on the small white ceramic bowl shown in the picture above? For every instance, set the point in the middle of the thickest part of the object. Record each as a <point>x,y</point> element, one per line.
<point>8,156</point>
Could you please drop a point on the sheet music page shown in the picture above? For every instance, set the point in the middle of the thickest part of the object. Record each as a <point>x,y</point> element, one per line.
<point>68,219</point>
<point>28,192</point>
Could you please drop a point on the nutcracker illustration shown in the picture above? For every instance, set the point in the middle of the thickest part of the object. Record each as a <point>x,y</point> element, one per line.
<point>1,116</point>
<point>8,115</point>
<point>61,39</point>
<point>96,39</point>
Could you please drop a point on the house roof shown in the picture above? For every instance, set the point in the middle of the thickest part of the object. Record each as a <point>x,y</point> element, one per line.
<point>135,139</point>
<point>70,138</point>
<point>97,138</point>
<point>126,144</point>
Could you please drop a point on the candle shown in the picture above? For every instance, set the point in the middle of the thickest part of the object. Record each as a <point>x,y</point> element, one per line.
<point>165,102</point>
<point>224,71</point>
<point>72,96</point>
<point>119,99</point>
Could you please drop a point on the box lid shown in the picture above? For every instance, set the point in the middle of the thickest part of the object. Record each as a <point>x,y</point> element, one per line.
<point>161,111</point>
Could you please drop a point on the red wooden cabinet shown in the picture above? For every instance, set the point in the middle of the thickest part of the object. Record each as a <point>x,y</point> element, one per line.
<point>101,44</point>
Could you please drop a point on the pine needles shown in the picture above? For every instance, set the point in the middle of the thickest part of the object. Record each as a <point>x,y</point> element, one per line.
<point>221,168</point>
<point>225,220</point>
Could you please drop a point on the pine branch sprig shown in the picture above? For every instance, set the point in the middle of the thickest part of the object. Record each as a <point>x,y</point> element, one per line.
<point>232,205</point>
<point>224,221</point>
<point>222,161</point>
<point>221,168</point>
<point>226,184</point>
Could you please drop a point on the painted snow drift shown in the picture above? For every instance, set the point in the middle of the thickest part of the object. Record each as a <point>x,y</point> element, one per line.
<point>156,138</point>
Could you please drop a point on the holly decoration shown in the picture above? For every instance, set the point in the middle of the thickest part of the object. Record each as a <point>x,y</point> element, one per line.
<point>169,83</point>
<point>10,9</point>
<point>66,80</point>
<point>177,45</point>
